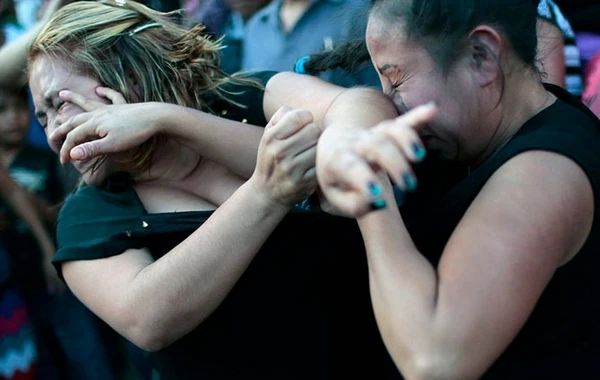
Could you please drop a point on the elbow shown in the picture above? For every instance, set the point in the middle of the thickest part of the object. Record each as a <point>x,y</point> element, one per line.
<point>436,366</point>
<point>145,332</point>
<point>427,368</point>
<point>147,337</point>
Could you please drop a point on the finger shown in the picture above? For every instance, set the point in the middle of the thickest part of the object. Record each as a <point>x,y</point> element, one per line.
<point>59,134</point>
<point>418,116</point>
<point>278,115</point>
<point>114,96</point>
<point>77,144</point>
<point>353,176</point>
<point>80,100</point>
<point>304,139</point>
<point>77,134</point>
<point>403,131</point>
<point>291,122</point>
<point>91,149</point>
<point>311,175</point>
<point>350,203</point>
<point>306,159</point>
<point>379,150</point>
<point>406,139</point>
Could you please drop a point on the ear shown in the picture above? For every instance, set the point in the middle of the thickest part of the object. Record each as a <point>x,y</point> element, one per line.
<point>485,47</point>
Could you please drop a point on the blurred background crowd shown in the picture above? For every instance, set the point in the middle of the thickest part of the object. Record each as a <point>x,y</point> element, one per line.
<point>44,329</point>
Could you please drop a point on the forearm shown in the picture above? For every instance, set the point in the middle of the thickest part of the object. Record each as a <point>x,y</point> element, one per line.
<point>13,60</point>
<point>404,291</point>
<point>189,282</point>
<point>329,104</point>
<point>359,107</point>
<point>21,203</point>
<point>211,137</point>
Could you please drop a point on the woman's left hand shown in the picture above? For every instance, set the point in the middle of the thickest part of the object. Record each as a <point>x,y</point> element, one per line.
<point>351,161</point>
<point>285,167</point>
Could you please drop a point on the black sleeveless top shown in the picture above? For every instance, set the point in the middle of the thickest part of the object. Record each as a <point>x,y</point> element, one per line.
<point>561,338</point>
<point>301,309</point>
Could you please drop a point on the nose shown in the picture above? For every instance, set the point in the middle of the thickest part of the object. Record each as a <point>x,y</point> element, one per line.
<point>55,143</point>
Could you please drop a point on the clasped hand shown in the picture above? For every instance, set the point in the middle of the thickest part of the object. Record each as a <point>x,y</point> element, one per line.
<point>285,166</point>
<point>353,163</point>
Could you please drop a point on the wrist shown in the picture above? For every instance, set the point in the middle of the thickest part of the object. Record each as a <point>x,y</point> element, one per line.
<point>265,199</point>
<point>161,117</point>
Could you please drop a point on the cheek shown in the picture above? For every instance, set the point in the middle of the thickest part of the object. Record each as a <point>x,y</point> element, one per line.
<point>421,93</point>
<point>68,111</point>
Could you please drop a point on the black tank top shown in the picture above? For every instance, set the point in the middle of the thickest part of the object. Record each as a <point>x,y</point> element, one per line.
<point>561,338</point>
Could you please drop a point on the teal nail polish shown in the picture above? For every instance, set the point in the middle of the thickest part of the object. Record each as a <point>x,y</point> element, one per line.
<point>398,195</point>
<point>378,204</point>
<point>418,151</point>
<point>409,181</point>
<point>374,189</point>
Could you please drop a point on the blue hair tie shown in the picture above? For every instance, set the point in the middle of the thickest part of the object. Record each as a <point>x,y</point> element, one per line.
<point>299,68</point>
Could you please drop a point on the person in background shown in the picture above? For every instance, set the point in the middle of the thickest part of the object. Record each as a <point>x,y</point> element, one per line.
<point>18,352</point>
<point>67,334</point>
<point>280,34</point>
<point>558,54</point>
<point>591,95</point>
<point>227,19</point>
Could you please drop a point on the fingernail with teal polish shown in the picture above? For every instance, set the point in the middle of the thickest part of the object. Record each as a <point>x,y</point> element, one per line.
<point>398,196</point>
<point>419,151</point>
<point>374,189</point>
<point>378,204</point>
<point>410,181</point>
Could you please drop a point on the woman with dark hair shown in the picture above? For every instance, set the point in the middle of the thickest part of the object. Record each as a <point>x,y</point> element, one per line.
<point>496,276</point>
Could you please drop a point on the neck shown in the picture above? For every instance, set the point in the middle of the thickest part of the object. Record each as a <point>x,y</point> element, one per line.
<point>523,97</point>
<point>172,162</point>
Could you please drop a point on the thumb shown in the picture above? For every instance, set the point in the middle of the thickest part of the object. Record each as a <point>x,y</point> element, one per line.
<point>277,116</point>
<point>88,150</point>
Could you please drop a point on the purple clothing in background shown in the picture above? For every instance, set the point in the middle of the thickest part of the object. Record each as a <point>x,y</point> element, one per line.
<point>588,44</point>
<point>214,15</point>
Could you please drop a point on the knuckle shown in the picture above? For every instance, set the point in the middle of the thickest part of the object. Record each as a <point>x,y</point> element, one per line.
<point>304,115</point>
<point>90,149</point>
<point>269,135</point>
<point>286,167</point>
<point>314,131</point>
<point>279,156</point>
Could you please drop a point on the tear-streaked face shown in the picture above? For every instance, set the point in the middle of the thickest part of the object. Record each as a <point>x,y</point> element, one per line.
<point>47,78</point>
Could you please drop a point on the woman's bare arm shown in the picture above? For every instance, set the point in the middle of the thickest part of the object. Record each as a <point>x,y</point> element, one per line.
<point>154,303</point>
<point>22,204</point>
<point>453,321</point>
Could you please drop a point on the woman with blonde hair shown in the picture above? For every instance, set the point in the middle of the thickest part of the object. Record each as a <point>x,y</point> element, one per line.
<point>168,242</point>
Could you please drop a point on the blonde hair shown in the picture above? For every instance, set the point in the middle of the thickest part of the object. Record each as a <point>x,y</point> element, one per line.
<point>142,53</point>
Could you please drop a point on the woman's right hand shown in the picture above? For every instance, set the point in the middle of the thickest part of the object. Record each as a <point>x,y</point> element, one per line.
<point>102,128</point>
<point>354,163</point>
<point>285,169</point>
